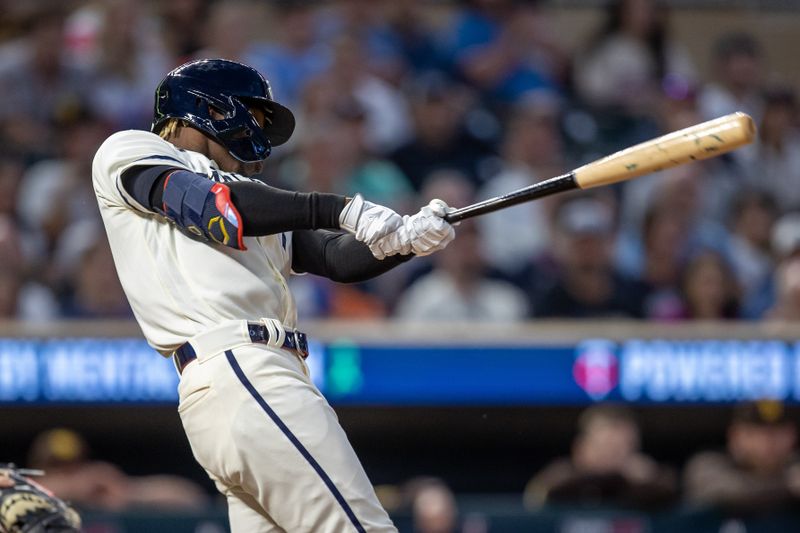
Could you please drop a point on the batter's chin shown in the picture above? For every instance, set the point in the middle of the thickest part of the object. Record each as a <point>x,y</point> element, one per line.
<point>254,168</point>
<point>245,169</point>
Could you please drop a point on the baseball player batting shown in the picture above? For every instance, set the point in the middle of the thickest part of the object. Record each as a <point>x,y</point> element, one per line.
<point>203,253</point>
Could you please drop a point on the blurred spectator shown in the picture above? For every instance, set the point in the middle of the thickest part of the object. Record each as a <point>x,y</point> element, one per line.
<point>776,167</point>
<point>586,285</point>
<point>787,306</point>
<point>753,215</point>
<point>759,471</point>
<point>10,285</point>
<point>229,30</point>
<point>532,151</point>
<point>703,191</point>
<point>36,81</point>
<point>677,110</point>
<point>295,54</point>
<point>448,185</point>
<point>708,287</point>
<point>441,139</point>
<point>234,30</point>
<point>458,289</point>
<point>738,66</point>
<point>319,163</point>
<point>433,506</point>
<point>680,193</point>
<point>624,65</point>
<point>387,117</point>
<point>64,456</point>
<point>786,236</point>
<point>455,190</point>
<point>318,297</point>
<point>414,36</point>
<point>20,297</point>
<point>94,291</point>
<point>118,44</point>
<point>56,193</point>
<point>337,159</point>
<point>664,237</point>
<point>11,171</point>
<point>367,22</point>
<point>332,161</point>
<point>23,296</point>
<point>503,48</point>
<point>785,247</point>
<point>605,467</point>
<point>182,27</point>
<point>376,178</point>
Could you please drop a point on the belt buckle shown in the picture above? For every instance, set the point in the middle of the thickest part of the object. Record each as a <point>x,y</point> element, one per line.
<point>301,343</point>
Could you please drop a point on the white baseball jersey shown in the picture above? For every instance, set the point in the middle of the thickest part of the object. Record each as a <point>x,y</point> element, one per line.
<point>177,286</point>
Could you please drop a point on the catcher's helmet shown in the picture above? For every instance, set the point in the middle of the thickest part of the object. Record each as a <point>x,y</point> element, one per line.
<point>229,88</point>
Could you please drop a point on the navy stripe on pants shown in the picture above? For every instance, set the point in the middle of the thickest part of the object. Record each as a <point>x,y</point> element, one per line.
<point>297,444</point>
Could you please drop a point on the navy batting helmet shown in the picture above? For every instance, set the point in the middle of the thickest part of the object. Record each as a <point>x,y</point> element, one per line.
<point>190,92</point>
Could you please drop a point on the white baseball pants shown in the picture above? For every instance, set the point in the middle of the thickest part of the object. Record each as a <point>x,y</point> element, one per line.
<point>271,442</point>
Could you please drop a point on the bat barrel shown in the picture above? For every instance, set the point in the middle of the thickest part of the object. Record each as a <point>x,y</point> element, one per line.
<point>708,139</point>
<point>701,141</point>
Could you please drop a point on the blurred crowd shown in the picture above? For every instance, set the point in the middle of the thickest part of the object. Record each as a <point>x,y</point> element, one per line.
<point>755,473</point>
<point>407,101</point>
<point>71,473</point>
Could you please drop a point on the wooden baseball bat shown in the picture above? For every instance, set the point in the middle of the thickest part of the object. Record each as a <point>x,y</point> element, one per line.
<point>701,141</point>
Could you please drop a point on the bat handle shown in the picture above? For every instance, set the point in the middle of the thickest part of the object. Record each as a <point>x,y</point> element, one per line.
<point>455,216</point>
<point>541,189</point>
<point>469,211</point>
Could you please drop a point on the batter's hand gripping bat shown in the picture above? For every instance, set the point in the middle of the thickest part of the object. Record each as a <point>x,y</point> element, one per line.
<point>701,141</point>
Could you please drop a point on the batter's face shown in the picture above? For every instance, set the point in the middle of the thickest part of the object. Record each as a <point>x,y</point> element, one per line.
<point>223,157</point>
<point>228,163</point>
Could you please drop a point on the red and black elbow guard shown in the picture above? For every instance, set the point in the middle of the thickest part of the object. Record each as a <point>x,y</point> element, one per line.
<point>203,208</point>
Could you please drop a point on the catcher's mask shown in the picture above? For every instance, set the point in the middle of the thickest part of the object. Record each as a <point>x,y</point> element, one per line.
<point>192,90</point>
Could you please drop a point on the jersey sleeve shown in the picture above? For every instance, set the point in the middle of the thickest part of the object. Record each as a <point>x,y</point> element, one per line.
<point>122,151</point>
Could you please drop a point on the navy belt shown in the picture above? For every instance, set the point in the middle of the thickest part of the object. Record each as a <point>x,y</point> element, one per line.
<point>294,341</point>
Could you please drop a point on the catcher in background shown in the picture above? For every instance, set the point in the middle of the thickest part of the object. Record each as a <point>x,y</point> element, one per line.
<point>27,507</point>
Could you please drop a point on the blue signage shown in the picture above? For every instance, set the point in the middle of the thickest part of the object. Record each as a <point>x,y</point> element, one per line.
<point>709,371</point>
<point>636,371</point>
<point>89,370</point>
<point>84,370</point>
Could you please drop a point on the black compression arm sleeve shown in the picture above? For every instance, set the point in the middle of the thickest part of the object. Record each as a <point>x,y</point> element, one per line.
<point>264,210</point>
<point>338,256</point>
<point>140,182</point>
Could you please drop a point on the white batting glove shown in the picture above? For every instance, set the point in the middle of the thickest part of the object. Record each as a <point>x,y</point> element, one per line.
<point>397,242</point>
<point>369,222</point>
<point>422,234</point>
<point>430,231</point>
